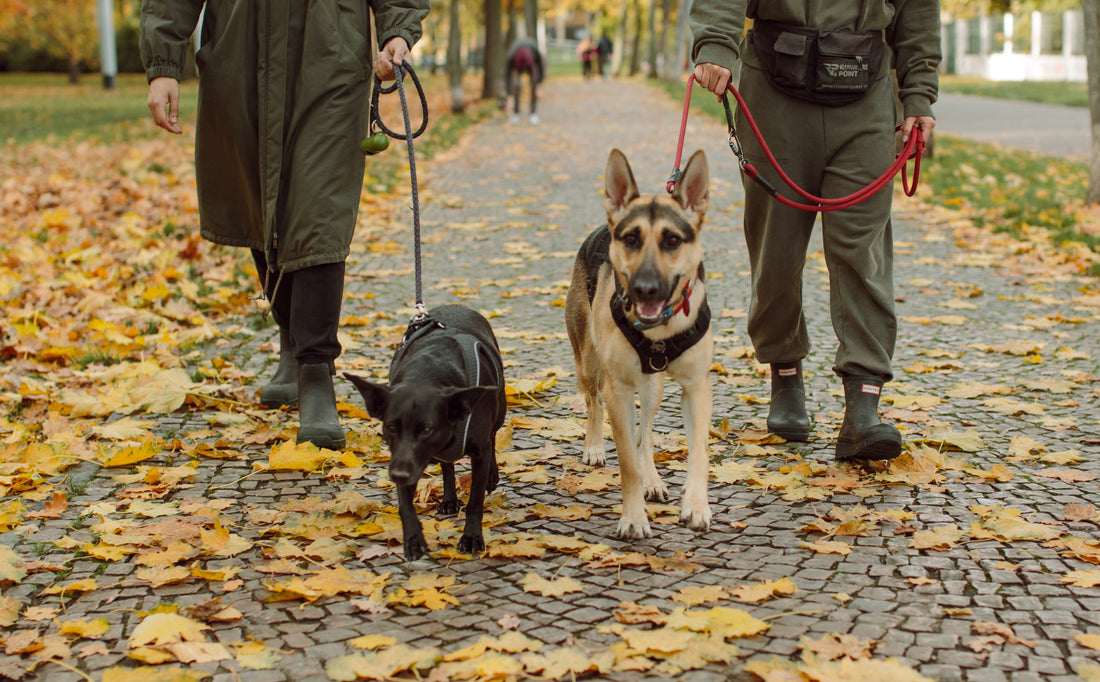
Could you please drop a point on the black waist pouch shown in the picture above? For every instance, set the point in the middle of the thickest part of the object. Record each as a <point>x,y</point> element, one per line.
<point>826,67</point>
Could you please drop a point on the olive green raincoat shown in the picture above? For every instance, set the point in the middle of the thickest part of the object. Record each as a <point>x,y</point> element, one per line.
<point>284,89</point>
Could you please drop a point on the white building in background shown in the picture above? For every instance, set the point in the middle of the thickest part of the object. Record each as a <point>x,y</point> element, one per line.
<point>1036,46</point>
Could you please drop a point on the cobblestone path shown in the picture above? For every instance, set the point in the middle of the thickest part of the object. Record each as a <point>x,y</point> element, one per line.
<point>968,560</point>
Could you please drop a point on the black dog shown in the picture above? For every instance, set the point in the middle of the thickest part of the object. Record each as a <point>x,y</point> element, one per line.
<point>445,400</point>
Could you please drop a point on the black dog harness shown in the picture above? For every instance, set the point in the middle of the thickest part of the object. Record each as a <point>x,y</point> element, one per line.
<point>474,354</point>
<point>655,356</point>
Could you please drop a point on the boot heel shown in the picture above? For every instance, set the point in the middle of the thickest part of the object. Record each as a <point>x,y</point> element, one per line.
<point>862,436</point>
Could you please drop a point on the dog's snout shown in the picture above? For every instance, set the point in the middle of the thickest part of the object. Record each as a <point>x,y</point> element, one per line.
<point>402,473</point>
<point>646,285</point>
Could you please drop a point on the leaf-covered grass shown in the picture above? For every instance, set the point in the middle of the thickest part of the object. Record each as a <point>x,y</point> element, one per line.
<point>1069,94</point>
<point>1007,190</point>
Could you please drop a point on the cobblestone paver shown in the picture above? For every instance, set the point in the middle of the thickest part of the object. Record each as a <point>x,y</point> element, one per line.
<point>503,216</point>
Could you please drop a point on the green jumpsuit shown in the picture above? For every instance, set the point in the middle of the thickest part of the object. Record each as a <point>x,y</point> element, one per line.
<point>830,151</point>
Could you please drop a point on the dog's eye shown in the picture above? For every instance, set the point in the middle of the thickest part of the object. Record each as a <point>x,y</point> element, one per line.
<point>671,241</point>
<point>632,240</point>
<point>425,430</point>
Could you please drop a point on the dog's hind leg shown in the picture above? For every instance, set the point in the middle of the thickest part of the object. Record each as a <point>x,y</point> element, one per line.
<point>449,505</point>
<point>413,534</point>
<point>697,408</point>
<point>482,462</point>
<point>633,524</point>
<point>650,393</point>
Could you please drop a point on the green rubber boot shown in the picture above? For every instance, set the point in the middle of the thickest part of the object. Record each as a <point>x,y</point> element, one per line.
<point>787,416</point>
<point>283,387</point>
<point>862,436</point>
<point>319,423</point>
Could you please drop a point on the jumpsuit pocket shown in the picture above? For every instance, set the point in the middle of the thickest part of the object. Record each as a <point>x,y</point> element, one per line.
<point>844,61</point>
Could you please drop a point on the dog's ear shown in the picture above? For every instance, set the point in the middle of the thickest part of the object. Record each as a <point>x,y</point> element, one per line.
<point>376,396</point>
<point>462,401</point>
<point>693,190</point>
<point>620,188</point>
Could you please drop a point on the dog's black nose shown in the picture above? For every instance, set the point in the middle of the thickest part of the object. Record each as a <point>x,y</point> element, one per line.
<point>402,473</point>
<point>645,287</point>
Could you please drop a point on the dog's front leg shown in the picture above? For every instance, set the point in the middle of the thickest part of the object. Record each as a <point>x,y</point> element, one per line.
<point>449,505</point>
<point>696,405</point>
<point>634,524</point>
<point>415,545</point>
<point>472,540</point>
<point>650,397</point>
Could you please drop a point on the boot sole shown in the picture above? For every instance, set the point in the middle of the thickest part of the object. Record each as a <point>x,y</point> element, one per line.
<point>324,441</point>
<point>875,449</point>
<point>794,436</point>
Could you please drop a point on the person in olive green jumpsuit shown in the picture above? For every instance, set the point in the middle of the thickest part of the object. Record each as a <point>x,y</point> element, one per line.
<point>830,150</point>
<point>284,89</point>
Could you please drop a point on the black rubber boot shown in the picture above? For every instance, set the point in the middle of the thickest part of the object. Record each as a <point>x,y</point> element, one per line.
<point>283,387</point>
<point>862,436</point>
<point>787,416</point>
<point>319,422</point>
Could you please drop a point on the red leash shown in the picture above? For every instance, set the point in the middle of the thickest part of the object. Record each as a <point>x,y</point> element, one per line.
<point>912,150</point>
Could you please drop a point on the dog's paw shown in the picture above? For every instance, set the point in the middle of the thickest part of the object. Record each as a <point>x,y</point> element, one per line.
<point>415,547</point>
<point>594,455</point>
<point>448,508</point>
<point>656,491</point>
<point>633,530</point>
<point>696,518</point>
<point>469,544</point>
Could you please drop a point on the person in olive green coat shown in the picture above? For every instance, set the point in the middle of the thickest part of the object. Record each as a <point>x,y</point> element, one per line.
<point>284,89</point>
<point>815,76</point>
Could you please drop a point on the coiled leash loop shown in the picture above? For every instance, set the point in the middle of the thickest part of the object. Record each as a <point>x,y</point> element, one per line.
<point>913,149</point>
<point>399,75</point>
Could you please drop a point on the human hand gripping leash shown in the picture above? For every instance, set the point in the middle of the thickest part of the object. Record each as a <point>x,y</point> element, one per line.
<point>913,149</point>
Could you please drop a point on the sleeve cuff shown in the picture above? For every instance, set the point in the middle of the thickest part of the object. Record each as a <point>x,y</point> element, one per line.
<point>161,71</point>
<point>714,53</point>
<point>916,105</point>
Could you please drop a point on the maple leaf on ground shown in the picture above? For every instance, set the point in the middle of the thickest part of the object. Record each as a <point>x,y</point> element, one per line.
<point>1082,512</point>
<point>550,588</point>
<point>632,613</point>
<point>153,674</point>
<point>255,655</point>
<point>158,629</point>
<point>864,670</point>
<point>9,569</point>
<point>1089,578</point>
<point>718,620</point>
<point>694,595</point>
<point>940,538</point>
<point>833,647</point>
<point>1090,641</point>
<point>86,629</point>
<point>828,547</point>
<point>766,590</point>
<point>1006,525</point>
<point>571,662</point>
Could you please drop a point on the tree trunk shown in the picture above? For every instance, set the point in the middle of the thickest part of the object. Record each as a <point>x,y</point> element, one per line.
<point>454,59</point>
<point>636,41</point>
<point>493,87</point>
<point>531,18</point>
<point>74,69</point>
<point>618,56</point>
<point>681,37</point>
<point>1092,59</point>
<point>668,59</point>
<point>512,32</point>
<point>652,39</point>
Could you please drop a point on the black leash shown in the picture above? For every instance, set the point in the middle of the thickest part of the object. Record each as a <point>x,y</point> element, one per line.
<point>399,74</point>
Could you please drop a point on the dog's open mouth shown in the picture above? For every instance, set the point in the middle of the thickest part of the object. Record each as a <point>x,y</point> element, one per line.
<point>649,312</point>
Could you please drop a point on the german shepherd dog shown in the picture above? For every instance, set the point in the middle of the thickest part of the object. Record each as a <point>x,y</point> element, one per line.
<point>636,310</point>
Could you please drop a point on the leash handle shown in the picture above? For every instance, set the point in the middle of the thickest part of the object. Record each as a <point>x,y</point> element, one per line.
<point>913,149</point>
<point>379,89</point>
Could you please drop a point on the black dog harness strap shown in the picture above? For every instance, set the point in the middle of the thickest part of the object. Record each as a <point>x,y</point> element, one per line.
<point>657,355</point>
